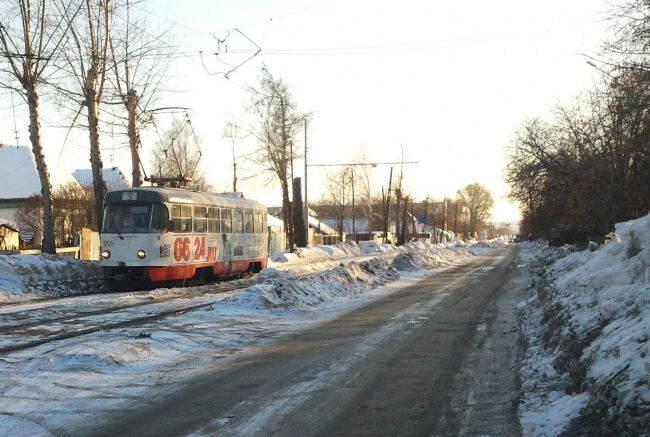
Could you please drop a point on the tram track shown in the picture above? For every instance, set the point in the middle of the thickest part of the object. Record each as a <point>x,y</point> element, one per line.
<point>24,336</point>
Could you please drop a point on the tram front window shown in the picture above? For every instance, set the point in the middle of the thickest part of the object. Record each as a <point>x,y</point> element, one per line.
<point>134,219</point>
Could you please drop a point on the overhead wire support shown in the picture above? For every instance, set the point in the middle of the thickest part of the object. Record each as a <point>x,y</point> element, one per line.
<point>233,68</point>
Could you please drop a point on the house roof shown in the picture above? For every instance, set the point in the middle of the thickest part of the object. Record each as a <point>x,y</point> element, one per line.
<point>9,224</point>
<point>320,225</point>
<point>360,225</point>
<point>113,177</point>
<point>18,175</point>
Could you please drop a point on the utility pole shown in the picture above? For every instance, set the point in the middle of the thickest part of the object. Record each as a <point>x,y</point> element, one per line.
<point>426,205</point>
<point>433,221</point>
<point>234,170</point>
<point>387,209</point>
<point>444,214</point>
<point>306,205</point>
<point>354,222</point>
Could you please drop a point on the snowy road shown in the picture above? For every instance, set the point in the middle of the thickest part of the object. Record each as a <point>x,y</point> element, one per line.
<point>387,368</point>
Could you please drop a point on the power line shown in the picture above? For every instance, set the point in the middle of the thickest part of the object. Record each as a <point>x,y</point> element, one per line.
<point>365,164</point>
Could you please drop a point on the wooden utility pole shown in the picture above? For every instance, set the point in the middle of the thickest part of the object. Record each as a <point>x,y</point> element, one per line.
<point>444,214</point>
<point>234,170</point>
<point>402,232</point>
<point>306,205</point>
<point>354,211</point>
<point>433,222</point>
<point>426,205</point>
<point>298,224</point>
<point>387,209</point>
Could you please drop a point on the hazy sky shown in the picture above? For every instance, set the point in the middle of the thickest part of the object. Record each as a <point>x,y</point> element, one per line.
<point>448,81</point>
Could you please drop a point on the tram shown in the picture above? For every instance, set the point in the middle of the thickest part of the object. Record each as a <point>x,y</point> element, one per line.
<point>164,234</point>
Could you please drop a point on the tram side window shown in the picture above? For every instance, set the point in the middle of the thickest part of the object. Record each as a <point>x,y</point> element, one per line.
<point>248,222</point>
<point>213,221</point>
<point>237,222</point>
<point>226,221</point>
<point>182,218</point>
<point>200,219</point>
<point>259,224</point>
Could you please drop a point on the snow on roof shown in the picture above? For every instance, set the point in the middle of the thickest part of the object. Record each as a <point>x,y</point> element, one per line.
<point>323,227</point>
<point>18,175</point>
<point>274,221</point>
<point>113,177</point>
<point>9,224</point>
<point>360,225</point>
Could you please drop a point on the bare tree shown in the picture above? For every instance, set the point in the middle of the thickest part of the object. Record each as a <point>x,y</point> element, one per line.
<point>178,154</point>
<point>589,167</point>
<point>478,201</point>
<point>87,62</point>
<point>338,195</point>
<point>138,65</point>
<point>275,125</point>
<point>363,175</point>
<point>31,36</point>
<point>629,42</point>
<point>73,211</point>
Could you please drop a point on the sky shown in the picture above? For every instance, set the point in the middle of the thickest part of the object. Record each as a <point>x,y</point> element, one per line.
<point>445,84</point>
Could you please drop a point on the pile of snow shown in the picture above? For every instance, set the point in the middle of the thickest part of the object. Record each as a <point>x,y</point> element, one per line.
<point>368,247</point>
<point>282,290</point>
<point>587,363</point>
<point>296,292</point>
<point>432,257</point>
<point>317,254</point>
<point>26,277</point>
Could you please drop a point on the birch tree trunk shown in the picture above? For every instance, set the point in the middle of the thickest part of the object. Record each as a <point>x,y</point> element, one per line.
<point>48,245</point>
<point>99,186</point>
<point>134,137</point>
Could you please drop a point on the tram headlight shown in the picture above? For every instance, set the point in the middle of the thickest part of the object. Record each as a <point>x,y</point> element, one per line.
<point>106,254</point>
<point>141,254</point>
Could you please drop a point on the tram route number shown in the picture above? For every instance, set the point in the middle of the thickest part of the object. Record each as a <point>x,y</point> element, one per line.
<point>183,250</point>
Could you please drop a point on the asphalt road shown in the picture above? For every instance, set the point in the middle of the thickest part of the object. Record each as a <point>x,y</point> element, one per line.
<point>412,363</point>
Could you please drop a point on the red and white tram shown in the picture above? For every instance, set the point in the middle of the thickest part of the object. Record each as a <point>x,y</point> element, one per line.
<point>162,234</point>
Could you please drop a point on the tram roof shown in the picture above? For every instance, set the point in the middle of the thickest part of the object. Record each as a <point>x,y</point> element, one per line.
<point>176,195</point>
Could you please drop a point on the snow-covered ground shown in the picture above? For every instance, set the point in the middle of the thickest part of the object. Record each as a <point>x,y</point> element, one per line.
<point>47,389</point>
<point>586,323</point>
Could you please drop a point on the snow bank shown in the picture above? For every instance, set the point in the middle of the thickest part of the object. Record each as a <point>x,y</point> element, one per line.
<point>26,277</point>
<point>317,253</point>
<point>282,290</point>
<point>298,292</point>
<point>587,326</point>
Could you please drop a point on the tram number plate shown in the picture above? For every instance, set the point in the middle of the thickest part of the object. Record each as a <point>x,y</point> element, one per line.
<point>184,250</point>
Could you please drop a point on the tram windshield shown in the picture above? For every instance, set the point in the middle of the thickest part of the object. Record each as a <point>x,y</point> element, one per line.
<point>134,219</point>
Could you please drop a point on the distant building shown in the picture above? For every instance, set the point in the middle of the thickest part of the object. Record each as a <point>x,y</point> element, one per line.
<point>113,177</point>
<point>9,235</point>
<point>19,181</point>
<point>320,232</point>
